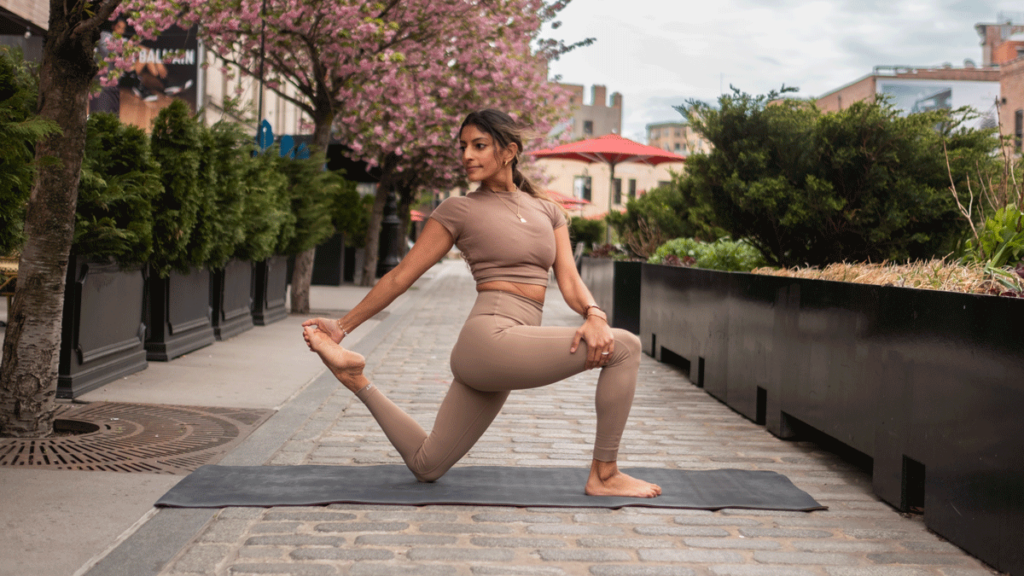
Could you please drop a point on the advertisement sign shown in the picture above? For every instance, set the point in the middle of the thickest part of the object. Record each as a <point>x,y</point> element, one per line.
<point>911,95</point>
<point>168,67</point>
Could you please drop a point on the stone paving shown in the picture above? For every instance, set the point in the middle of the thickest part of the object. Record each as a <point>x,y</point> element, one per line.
<point>673,424</point>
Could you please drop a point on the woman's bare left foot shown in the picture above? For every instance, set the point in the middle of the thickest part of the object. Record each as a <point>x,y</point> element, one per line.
<point>346,365</point>
<point>606,480</point>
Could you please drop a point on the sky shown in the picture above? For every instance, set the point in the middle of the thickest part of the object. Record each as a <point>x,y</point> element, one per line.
<point>661,53</point>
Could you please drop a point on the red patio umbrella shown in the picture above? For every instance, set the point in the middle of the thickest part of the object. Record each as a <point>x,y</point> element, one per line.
<point>610,149</point>
<point>566,201</point>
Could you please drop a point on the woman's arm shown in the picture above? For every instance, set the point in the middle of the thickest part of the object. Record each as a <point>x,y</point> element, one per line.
<point>434,242</point>
<point>595,331</point>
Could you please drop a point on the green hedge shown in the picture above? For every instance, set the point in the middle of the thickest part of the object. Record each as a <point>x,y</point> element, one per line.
<point>722,254</point>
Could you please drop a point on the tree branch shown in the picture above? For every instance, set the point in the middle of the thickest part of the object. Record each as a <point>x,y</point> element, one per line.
<point>102,15</point>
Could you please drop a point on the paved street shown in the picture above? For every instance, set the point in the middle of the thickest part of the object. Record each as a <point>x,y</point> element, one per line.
<point>673,424</point>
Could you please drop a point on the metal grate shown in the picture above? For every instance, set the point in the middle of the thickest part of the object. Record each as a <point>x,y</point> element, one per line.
<point>135,438</point>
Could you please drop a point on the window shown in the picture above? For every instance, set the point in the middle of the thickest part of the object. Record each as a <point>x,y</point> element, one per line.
<point>588,127</point>
<point>632,187</point>
<point>677,146</point>
<point>581,187</point>
<point>617,190</point>
<point>664,183</point>
<point>654,133</point>
<point>1018,128</point>
<point>678,133</point>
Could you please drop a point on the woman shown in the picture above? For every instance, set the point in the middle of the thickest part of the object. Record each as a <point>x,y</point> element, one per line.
<point>511,237</point>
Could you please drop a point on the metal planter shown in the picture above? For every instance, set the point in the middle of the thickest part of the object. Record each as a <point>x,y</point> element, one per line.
<point>231,298</point>
<point>930,385</point>
<point>271,291</point>
<point>180,319</point>
<point>102,331</point>
<point>615,285</point>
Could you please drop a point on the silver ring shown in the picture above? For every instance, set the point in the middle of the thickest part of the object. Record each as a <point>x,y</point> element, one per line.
<point>604,353</point>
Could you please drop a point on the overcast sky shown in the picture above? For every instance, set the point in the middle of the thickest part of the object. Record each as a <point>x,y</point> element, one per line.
<point>659,53</point>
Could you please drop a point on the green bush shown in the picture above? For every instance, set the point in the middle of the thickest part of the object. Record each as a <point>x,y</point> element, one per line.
<point>119,182</point>
<point>313,194</point>
<point>1001,239</point>
<point>352,215</point>
<point>723,254</point>
<point>219,227</point>
<point>862,184</point>
<point>20,129</point>
<point>177,143</point>
<point>590,232</point>
<point>267,207</point>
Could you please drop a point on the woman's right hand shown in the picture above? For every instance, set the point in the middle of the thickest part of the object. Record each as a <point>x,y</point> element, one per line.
<point>327,326</point>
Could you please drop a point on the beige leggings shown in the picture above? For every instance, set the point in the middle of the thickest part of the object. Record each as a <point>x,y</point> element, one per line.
<point>501,348</point>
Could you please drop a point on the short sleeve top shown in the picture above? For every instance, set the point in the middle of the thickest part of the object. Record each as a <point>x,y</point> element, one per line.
<point>495,242</point>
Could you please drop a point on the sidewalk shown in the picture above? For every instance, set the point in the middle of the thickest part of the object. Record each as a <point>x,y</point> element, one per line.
<point>673,424</point>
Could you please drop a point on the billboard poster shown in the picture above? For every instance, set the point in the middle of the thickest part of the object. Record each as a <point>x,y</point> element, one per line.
<point>910,96</point>
<point>167,68</point>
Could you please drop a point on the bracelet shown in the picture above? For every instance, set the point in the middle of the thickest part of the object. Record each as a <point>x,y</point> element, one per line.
<point>586,309</point>
<point>342,328</point>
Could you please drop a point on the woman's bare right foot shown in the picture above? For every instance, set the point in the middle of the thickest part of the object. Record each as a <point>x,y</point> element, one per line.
<point>606,480</point>
<point>346,365</point>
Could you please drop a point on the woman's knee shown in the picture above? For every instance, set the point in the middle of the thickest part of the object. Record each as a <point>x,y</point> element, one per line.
<point>627,342</point>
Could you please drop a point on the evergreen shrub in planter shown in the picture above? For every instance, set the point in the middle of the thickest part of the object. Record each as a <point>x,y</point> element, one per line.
<point>102,328</point>
<point>179,315</point>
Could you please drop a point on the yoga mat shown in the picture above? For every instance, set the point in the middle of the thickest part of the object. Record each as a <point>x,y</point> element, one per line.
<point>263,486</point>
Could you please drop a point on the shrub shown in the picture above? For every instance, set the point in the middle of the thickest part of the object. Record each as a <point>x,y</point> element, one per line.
<point>312,192</point>
<point>177,143</point>
<point>119,182</point>
<point>723,254</point>
<point>267,208</point>
<point>590,232</point>
<point>651,219</point>
<point>222,166</point>
<point>19,130</point>
<point>864,183</point>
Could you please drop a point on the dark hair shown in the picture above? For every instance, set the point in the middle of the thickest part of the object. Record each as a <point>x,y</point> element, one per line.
<point>505,132</point>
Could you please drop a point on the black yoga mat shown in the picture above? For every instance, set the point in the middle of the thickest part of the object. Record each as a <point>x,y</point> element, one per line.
<point>221,486</point>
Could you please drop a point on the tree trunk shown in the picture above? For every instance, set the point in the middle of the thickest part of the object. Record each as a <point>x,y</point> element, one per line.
<point>302,275</point>
<point>28,376</point>
<point>376,217</point>
<point>373,235</point>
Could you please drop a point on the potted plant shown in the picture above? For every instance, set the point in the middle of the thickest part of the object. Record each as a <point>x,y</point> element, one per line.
<point>102,332</point>
<point>178,287</point>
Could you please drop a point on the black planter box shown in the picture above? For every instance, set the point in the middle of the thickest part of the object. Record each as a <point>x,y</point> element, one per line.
<point>101,331</point>
<point>179,314</point>
<point>930,385</point>
<point>231,296</point>
<point>329,262</point>
<point>271,291</point>
<point>615,286</point>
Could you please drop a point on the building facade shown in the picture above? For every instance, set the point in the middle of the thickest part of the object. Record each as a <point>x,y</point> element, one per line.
<point>921,89</point>
<point>676,137</point>
<point>598,118</point>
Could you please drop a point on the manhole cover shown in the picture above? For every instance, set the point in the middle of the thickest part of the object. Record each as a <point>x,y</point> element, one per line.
<point>136,438</point>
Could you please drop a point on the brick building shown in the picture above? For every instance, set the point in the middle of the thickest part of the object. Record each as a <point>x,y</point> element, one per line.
<point>922,89</point>
<point>1000,42</point>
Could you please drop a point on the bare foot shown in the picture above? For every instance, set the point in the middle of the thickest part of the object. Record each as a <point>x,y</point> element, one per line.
<point>347,366</point>
<point>606,480</point>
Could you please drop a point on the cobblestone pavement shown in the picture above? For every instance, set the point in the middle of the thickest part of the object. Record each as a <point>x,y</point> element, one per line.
<point>673,424</point>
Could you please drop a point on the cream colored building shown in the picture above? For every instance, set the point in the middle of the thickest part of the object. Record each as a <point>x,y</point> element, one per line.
<point>592,182</point>
<point>676,137</point>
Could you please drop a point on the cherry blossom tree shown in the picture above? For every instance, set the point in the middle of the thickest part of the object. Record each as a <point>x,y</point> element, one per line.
<point>385,77</point>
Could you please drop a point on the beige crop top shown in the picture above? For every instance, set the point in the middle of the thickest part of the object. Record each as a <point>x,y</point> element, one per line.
<point>495,243</point>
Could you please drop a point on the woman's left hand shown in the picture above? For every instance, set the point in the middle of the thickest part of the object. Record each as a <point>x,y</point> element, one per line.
<point>600,341</point>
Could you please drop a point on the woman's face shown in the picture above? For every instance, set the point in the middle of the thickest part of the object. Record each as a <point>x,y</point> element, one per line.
<point>480,156</point>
